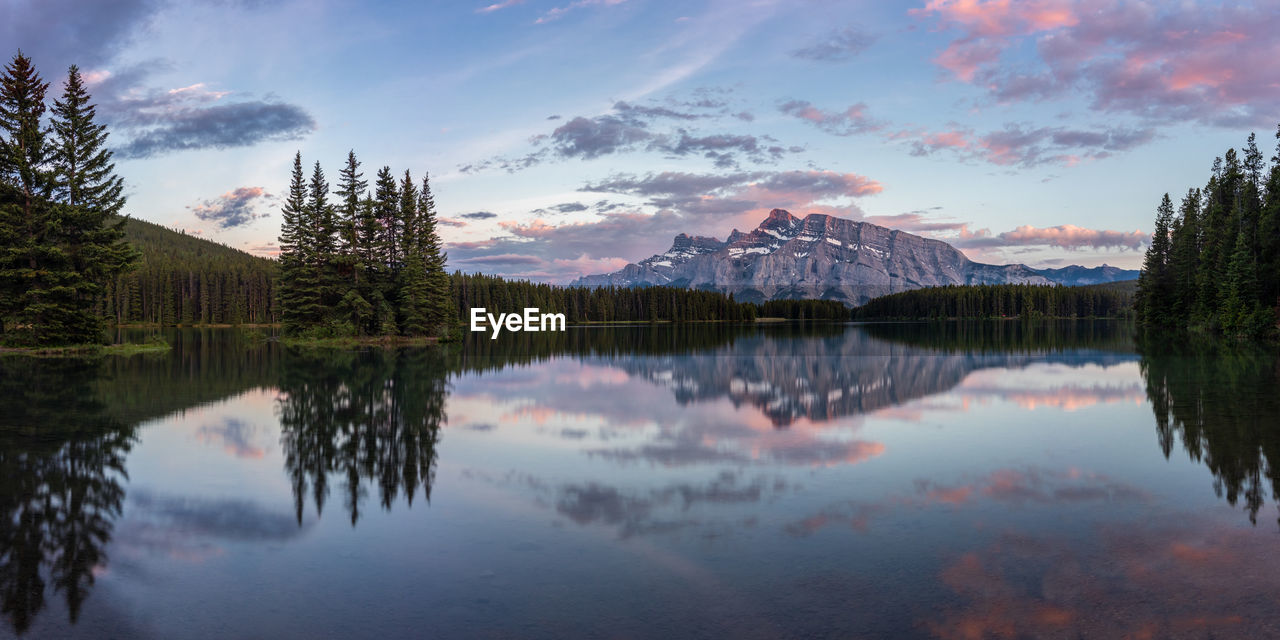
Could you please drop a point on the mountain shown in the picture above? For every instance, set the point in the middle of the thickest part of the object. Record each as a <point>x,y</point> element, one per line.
<point>1076,275</point>
<point>819,256</point>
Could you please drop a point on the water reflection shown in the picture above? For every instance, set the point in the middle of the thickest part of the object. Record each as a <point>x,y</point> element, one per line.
<point>1175,577</point>
<point>858,371</point>
<point>61,483</point>
<point>802,451</point>
<point>1222,403</point>
<point>366,416</point>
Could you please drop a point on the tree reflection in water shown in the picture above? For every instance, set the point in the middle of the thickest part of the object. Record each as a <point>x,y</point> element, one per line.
<point>369,416</point>
<point>61,466</point>
<point>1220,401</point>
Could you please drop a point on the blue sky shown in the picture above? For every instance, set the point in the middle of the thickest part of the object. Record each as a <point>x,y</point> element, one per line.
<point>566,137</point>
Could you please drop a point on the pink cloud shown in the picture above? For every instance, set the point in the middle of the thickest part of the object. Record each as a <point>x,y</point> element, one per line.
<point>853,120</point>
<point>1069,236</point>
<point>1163,62</point>
<point>584,264</point>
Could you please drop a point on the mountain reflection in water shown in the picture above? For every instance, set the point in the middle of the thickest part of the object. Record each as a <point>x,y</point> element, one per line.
<point>654,435</point>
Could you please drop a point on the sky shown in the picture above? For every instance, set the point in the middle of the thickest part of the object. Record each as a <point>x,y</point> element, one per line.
<point>568,137</point>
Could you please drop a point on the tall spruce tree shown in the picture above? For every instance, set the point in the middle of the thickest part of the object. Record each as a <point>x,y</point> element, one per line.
<point>439,295</point>
<point>38,305</point>
<point>1154,300</point>
<point>84,174</point>
<point>85,181</point>
<point>301,307</point>
<point>324,241</point>
<point>413,294</point>
<point>351,187</point>
<point>387,197</point>
<point>1183,256</point>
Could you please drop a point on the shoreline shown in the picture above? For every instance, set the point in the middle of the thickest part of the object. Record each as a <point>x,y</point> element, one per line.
<point>361,341</point>
<point>125,349</point>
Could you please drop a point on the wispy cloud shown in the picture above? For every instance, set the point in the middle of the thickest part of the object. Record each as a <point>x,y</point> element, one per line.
<point>559,12</point>
<point>498,6</point>
<point>837,46</point>
<point>853,120</point>
<point>1016,144</point>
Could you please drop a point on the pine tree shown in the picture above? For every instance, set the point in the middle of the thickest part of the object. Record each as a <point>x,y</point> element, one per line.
<point>1183,255</point>
<point>37,304</point>
<point>351,187</point>
<point>25,152</point>
<point>83,172</point>
<point>439,295</point>
<point>413,277</point>
<point>299,293</point>
<point>1153,300</point>
<point>367,230</point>
<point>323,251</point>
<point>86,182</point>
<point>387,212</point>
<point>1241,300</point>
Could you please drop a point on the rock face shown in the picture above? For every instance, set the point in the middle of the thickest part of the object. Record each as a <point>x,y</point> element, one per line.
<point>817,257</point>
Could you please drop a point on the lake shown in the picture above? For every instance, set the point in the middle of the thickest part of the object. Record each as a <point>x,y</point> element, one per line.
<point>963,480</point>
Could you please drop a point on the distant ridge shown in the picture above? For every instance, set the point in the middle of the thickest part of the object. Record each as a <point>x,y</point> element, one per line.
<point>1076,275</point>
<point>828,258</point>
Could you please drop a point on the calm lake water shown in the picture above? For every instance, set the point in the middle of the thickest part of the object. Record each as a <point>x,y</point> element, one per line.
<point>1000,480</point>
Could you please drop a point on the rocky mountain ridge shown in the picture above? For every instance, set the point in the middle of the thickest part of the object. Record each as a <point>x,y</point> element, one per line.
<point>820,257</point>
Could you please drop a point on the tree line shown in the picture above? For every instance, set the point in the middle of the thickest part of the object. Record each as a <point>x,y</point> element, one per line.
<point>1113,300</point>
<point>628,304</point>
<point>1214,264</point>
<point>366,264</point>
<point>61,240</point>
<point>601,304</point>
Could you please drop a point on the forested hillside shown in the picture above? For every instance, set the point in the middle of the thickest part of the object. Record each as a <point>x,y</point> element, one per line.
<point>183,279</point>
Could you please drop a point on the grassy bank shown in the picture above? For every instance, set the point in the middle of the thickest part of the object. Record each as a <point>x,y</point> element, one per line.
<point>81,350</point>
<point>349,342</point>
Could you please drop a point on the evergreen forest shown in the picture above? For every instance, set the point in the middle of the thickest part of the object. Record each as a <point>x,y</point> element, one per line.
<point>1111,300</point>
<point>1214,263</point>
<point>61,238</point>
<point>364,263</point>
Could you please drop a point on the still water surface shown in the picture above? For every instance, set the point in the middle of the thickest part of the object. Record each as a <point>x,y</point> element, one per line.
<point>998,480</point>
